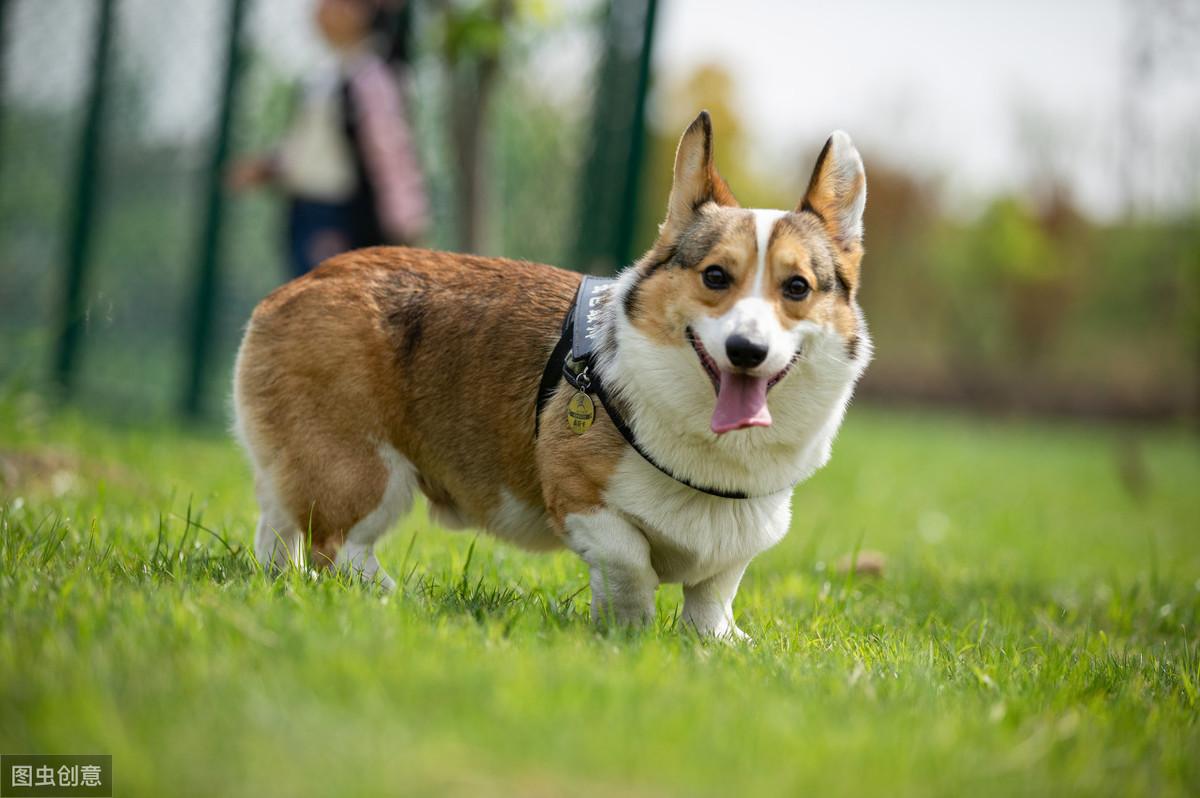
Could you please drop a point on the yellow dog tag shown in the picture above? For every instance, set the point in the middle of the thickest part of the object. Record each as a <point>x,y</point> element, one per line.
<point>581,412</point>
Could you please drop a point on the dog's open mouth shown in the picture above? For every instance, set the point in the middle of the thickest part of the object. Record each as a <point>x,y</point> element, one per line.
<point>741,398</point>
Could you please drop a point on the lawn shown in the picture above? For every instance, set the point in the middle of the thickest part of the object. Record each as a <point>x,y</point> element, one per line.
<point>1034,631</point>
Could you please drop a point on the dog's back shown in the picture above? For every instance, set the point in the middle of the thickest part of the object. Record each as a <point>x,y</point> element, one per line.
<point>390,369</point>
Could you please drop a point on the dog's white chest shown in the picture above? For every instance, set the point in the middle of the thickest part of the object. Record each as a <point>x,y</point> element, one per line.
<point>693,535</point>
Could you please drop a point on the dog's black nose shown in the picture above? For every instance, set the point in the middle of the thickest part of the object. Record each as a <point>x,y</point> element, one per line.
<point>744,353</point>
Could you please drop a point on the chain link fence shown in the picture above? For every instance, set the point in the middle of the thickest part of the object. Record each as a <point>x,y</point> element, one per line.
<point>162,100</point>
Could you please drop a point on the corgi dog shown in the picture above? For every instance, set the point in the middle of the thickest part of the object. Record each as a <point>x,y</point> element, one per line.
<point>655,424</point>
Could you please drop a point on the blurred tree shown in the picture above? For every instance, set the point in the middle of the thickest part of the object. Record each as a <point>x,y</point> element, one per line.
<point>1018,263</point>
<point>472,40</point>
<point>899,292</point>
<point>1162,40</point>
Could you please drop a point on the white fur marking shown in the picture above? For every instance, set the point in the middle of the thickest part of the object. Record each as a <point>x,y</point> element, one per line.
<point>618,557</point>
<point>697,536</point>
<point>278,543</point>
<point>359,558</point>
<point>708,606</point>
<point>522,523</point>
<point>764,223</point>
<point>753,315</point>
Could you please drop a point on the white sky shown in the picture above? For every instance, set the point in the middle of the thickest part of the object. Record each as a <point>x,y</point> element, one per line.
<point>938,85</point>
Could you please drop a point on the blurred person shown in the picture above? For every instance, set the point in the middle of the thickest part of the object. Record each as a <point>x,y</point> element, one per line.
<point>347,162</point>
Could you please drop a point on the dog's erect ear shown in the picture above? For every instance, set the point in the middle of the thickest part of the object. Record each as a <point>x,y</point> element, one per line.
<point>696,179</point>
<point>837,191</point>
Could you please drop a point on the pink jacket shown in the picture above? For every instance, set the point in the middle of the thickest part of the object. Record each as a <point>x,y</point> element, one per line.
<point>389,150</point>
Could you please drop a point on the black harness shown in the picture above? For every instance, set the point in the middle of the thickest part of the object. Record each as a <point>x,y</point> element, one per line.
<point>572,360</point>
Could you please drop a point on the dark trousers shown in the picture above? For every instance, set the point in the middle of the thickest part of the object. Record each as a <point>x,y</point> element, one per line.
<point>316,231</point>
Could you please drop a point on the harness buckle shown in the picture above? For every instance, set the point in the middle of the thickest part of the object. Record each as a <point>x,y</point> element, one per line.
<point>583,382</point>
<point>577,373</point>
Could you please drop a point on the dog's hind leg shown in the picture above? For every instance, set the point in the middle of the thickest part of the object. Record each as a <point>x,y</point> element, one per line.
<point>357,551</point>
<point>278,542</point>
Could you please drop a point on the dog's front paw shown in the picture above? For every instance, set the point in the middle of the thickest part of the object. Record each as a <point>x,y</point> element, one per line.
<point>736,635</point>
<point>733,635</point>
<point>612,613</point>
<point>718,625</point>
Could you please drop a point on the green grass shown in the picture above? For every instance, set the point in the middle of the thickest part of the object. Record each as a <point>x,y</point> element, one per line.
<point>1035,632</point>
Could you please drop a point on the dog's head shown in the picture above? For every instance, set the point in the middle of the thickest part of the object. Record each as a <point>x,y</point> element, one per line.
<point>731,303</point>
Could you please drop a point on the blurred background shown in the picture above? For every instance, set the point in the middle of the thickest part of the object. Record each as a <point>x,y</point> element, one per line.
<point>1033,168</point>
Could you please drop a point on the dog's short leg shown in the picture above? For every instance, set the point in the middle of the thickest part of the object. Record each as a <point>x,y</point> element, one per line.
<point>618,556</point>
<point>359,558</point>
<point>708,605</point>
<point>278,543</point>
<point>357,553</point>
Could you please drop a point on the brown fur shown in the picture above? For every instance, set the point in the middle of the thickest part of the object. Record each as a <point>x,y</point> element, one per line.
<point>439,355</point>
<point>575,468</point>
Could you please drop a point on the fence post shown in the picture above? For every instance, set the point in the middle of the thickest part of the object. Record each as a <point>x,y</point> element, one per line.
<point>608,205</point>
<point>4,4</point>
<point>79,232</point>
<point>208,251</point>
<point>623,245</point>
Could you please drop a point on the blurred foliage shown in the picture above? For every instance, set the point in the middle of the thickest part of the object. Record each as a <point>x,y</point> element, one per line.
<point>1039,309</point>
<point>1027,304</point>
<point>1011,244</point>
<point>471,31</point>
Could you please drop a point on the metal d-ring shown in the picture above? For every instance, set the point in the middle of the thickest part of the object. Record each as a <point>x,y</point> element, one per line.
<point>583,382</point>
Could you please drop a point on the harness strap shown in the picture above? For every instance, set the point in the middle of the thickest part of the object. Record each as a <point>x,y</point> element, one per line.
<point>557,368</point>
<point>553,372</point>
<point>627,433</point>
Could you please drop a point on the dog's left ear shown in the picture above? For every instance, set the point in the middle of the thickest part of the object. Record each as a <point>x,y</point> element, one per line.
<point>696,179</point>
<point>837,192</point>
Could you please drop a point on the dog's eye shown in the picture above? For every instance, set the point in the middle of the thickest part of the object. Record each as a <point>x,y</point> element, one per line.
<point>796,288</point>
<point>716,278</point>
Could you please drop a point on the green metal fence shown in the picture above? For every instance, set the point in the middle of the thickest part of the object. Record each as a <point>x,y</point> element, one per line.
<point>126,273</point>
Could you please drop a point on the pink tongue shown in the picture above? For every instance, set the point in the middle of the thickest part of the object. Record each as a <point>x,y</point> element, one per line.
<point>741,403</point>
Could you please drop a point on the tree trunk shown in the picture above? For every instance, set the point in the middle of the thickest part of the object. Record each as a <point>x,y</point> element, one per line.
<point>470,88</point>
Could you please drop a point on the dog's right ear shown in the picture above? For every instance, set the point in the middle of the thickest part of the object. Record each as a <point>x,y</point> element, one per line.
<point>837,192</point>
<point>696,179</point>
